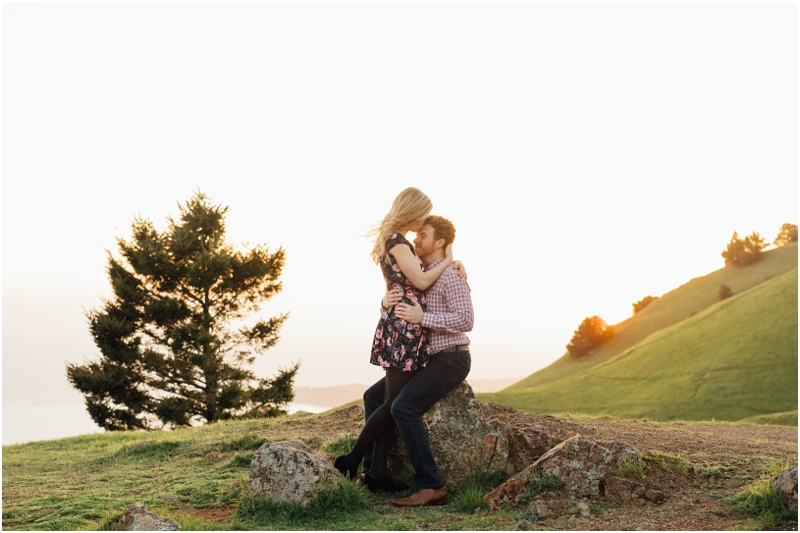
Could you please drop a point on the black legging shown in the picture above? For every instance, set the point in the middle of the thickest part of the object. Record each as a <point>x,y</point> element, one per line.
<point>380,426</point>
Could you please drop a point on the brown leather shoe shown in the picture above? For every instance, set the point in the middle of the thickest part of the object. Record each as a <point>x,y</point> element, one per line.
<point>424,497</point>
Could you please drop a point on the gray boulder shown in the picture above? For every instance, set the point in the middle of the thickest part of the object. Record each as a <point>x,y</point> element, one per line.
<point>461,439</point>
<point>529,435</point>
<point>786,485</point>
<point>579,462</point>
<point>289,471</point>
<point>138,518</point>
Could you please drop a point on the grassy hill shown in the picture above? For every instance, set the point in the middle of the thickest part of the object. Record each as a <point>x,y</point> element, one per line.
<point>671,308</point>
<point>733,359</point>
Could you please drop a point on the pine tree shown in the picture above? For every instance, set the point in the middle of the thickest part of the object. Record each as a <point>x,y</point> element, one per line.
<point>171,354</point>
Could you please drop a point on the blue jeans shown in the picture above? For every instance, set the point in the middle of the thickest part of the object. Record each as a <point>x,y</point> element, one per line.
<point>442,374</point>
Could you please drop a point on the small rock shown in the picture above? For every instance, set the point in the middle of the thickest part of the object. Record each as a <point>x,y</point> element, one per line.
<point>786,485</point>
<point>622,489</point>
<point>170,498</point>
<point>138,518</point>
<point>584,507</point>
<point>289,471</point>
<point>551,504</point>
<point>524,525</point>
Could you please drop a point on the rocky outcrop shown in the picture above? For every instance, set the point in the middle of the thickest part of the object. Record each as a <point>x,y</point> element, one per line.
<point>461,439</point>
<point>138,518</point>
<point>786,485</point>
<point>529,435</point>
<point>289,471</point>
<point>580,463</point>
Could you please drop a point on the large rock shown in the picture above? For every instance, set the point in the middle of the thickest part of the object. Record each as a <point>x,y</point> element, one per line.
<point>461,439</point>
<point>529,435</point>
<point>786,485</point>
<point>579,462</point>
<point>138,518</point>
<point>289,471</point>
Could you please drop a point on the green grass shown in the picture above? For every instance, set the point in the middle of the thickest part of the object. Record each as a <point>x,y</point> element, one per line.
<point>629,467</point>
<point>85,483</point>
<point>676,306</point>
<point>468,498</point>
<point>539,484</point>
<point>672,462</point>
<point>734,360</point>
<point>340,446</point>
<point>334,504</point>
<point>762,503</point>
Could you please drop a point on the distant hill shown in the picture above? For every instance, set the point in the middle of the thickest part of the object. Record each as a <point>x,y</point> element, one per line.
<point>338,395</point>
<point>688,355</point>
<point>674,307</point>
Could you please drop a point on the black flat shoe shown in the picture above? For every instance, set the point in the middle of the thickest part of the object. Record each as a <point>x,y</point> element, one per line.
<point>385,484</point>
<point>341,465</point>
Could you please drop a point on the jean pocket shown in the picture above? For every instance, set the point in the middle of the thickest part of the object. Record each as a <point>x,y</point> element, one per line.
<point>460,365</point>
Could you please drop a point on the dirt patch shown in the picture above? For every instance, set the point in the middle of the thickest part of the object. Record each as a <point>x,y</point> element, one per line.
<point>216,515</point>
<point>723,459</point>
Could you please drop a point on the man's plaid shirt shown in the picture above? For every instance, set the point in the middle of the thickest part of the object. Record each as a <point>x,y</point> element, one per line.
<point>448,315</point>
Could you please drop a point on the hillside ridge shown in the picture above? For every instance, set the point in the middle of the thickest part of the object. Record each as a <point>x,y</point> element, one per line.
<point>671,308</point>
<point>735,359</point>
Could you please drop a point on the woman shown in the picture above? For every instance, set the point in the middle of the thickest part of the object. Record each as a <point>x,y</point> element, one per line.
<point>398,347</point>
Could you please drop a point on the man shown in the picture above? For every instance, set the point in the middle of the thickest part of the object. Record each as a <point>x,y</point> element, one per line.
<point>448,316</point>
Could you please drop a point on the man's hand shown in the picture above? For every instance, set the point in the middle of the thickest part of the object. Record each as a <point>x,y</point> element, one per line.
<point>392,298</point>
<point>410,313</point>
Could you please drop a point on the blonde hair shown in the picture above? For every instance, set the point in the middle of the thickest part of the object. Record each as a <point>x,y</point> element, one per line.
<point>410,206</point>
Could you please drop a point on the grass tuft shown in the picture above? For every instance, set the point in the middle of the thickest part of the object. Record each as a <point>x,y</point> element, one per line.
<point>112,521</point>
<point>539,485</point>
<point>248,442</point>
<point>345,498</point>
<point>241,460</point>
<point>718,471</point>
<point>673,463</point>
<point>149,449</point>
<point>341,445</point>
<point>761,501</point>
<point>468,498</point>
<point>630,467</point>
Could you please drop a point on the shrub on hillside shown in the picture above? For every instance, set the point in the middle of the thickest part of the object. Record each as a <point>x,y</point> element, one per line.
<point>786,235</point>
<point>743,252</point>
<point>644,302</point>
<point>724,292</point>
<point>591,333</point>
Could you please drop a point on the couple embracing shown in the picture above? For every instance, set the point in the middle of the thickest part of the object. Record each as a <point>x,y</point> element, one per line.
<point>420,342</point>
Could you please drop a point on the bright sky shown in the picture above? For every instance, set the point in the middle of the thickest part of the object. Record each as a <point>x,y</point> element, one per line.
<point>588,154</point>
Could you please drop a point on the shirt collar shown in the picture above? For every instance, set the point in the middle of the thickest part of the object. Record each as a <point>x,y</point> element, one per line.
<point>433,264</point>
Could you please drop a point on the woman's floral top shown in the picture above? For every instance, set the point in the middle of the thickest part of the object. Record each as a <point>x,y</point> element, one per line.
<point>397,343</point>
